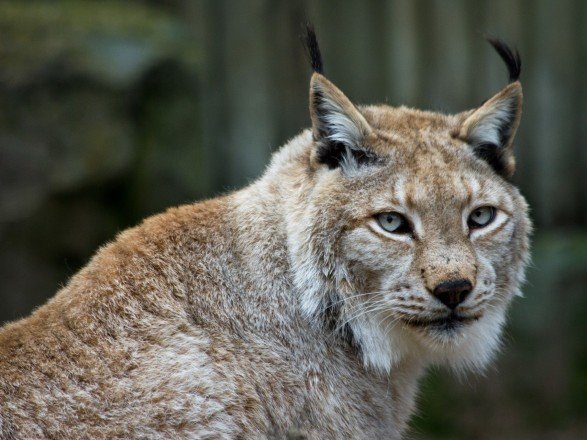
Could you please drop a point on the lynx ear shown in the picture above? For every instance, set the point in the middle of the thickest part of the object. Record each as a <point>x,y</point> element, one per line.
<point>338,128</point>
<point>490,129</point>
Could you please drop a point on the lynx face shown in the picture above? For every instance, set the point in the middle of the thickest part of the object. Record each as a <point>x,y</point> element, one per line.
<point>414,241</point>
<point>429,244</point>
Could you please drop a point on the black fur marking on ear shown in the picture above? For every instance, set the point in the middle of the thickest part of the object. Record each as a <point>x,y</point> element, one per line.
<point>492,154</point>
<point>313,49</point>
<point>511,58</point>
<point>505,131</point>
<point>331,154</point>
<point>336,154</point>
<point>318,105</point>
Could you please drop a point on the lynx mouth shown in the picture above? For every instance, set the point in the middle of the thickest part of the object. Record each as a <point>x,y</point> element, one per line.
<point>450,322</point>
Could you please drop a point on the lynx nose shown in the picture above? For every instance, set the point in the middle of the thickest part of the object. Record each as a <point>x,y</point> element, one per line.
<point>453,292</point>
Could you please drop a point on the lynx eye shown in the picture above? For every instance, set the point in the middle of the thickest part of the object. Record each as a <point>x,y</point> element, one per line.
<point>393,222</point>
<point>481,217</point>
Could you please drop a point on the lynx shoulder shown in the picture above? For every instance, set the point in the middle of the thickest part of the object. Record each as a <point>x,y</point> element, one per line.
<point>378,242</point>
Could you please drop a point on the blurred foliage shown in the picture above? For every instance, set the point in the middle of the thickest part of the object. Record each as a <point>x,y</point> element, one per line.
<point>114,110</point>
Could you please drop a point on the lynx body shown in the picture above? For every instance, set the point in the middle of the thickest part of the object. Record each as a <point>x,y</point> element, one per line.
<point>379,242</point>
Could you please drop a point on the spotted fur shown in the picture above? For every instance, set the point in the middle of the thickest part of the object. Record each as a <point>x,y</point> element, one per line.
<point>284,309</point>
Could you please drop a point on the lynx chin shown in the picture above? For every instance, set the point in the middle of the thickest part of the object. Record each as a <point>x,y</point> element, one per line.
<point>379,242</point>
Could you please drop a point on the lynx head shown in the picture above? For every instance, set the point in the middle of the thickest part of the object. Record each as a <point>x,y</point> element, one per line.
<point>407,237</point>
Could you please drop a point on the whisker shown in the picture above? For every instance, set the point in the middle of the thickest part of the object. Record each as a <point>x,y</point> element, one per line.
<point>393,320</point>
<point>477,307</point>
<point>351,297</point>
<point>371,308</point>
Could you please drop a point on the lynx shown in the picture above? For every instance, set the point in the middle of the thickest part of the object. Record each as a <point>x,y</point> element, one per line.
<point>379,242</point>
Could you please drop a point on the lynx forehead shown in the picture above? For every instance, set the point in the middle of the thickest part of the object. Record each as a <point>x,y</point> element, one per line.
<point>381,241</point>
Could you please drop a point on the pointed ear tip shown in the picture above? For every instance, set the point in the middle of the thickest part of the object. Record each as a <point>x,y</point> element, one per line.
<point>518,93</point>
<point>511,91</point>
<point>320,84</point>
<point>317,79</point>
<point>515,87</point>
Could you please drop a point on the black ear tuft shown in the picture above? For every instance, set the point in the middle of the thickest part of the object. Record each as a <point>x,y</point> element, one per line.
<point>313,49</point>
<point>511,58</point>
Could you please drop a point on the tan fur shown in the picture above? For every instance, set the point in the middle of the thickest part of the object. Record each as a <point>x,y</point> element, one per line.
<point>281,308</point>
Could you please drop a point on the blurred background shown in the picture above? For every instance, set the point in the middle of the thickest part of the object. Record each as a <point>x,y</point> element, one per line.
<point>114,110</point>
